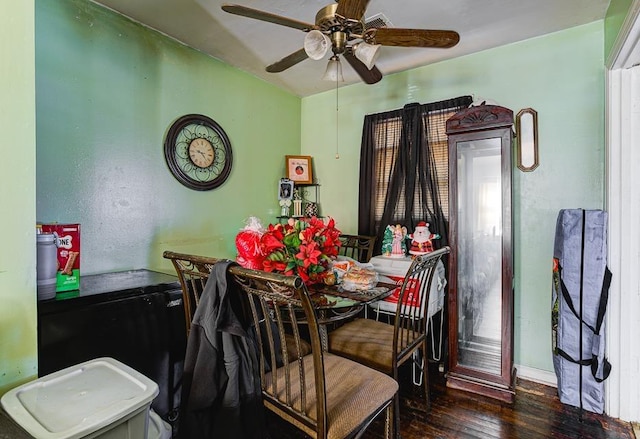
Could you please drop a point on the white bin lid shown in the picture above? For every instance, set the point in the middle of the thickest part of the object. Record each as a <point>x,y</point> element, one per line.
<point>79,400</point>
<point>391,266</point>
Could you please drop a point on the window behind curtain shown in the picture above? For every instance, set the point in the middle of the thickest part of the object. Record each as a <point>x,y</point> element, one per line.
<point>390,145</point>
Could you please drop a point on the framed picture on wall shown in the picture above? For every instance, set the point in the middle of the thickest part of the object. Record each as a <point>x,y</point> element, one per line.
<point>285,190</point>
<point>299,169</point>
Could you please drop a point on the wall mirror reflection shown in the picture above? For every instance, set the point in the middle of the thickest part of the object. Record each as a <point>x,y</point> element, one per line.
<point>479,250</point>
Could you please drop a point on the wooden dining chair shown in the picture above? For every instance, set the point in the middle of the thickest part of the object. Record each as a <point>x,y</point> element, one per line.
<point>384,346</point>
<point>358,247</point>
<point>324,395</point>
<point>193,272</point>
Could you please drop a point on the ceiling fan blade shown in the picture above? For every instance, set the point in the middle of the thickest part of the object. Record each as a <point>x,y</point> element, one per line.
<point>353,9</point>
<point>288,61</point>
<point>369,76</point>
<point>266,16</point>
<point>412,37</point>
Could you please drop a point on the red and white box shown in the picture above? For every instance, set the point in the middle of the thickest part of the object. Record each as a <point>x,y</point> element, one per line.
<point>394,270</point>
<point>68,243</point>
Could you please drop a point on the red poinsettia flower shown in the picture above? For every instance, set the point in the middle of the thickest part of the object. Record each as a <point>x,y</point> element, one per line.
<point>302,247</point>
<point>304,275</point>
<point>277,266</point>
<point>269,243</point>
<point>309,254</point>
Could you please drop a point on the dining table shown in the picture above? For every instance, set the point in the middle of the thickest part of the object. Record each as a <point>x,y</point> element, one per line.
<point>334,303</point>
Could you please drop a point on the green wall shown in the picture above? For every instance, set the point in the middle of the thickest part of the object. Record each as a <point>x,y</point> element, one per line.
<point>18,362</point>
<point>107,91</point>
<point>561,76</point>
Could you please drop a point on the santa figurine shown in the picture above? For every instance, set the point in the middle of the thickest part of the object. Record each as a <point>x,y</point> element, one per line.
<point>421,239</point>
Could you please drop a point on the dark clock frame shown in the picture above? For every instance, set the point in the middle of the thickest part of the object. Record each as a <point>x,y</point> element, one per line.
<point>219,170</point>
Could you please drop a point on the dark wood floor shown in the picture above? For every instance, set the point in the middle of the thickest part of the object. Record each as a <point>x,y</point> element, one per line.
<point>537,413</point>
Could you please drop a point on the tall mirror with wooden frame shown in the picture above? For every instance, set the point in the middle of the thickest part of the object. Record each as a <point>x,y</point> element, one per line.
<point>480,304</point>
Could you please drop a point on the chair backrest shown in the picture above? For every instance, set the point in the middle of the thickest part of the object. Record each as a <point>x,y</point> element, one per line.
<point>413,301</point>
<point>292,383</point>
<point>358,247</point>
<point>193,272</point>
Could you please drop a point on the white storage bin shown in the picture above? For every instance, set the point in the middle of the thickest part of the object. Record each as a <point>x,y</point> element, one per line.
<point>101,398</point>
<point>158,429</point>
<point>395,270</point>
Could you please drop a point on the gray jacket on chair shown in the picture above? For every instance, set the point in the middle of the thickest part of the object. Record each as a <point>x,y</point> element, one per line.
<point>221,393</point>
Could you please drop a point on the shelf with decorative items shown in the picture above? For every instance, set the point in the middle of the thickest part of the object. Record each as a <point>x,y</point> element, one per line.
<point>309,197</point>
<point>298,194</point>
<point>303,200</point>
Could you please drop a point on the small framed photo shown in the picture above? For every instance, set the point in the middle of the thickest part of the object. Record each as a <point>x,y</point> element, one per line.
<point>285,190</point>
<point>299,169</point>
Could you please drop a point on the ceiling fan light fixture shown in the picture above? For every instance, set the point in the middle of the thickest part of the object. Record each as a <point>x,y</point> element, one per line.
<point>334,70</point>
<point>367,53</point>
<point>340,26</point>
<point>316,44</point>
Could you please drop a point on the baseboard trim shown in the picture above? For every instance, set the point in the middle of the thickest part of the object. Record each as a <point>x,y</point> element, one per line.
<point>537,375</point>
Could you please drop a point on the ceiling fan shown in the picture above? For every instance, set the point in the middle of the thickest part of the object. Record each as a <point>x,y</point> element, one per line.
<point>340,27</point>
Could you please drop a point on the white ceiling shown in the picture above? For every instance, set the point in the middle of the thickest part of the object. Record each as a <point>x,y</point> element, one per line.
<point>251,45</point>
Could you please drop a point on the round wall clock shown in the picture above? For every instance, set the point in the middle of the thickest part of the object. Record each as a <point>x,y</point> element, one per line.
<point>198,152</point>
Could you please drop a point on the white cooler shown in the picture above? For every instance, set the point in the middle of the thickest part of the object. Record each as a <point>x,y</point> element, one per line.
<point>101,398</point>
<point>395,269</point>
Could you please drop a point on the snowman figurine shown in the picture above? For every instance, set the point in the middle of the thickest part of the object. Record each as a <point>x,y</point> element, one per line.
<point>421,239</point>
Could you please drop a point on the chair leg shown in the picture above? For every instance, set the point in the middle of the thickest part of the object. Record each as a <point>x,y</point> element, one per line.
<point>417,368</point>
<point>389,430</point>
<point>425,376</point>
<point>396,416</point>
<point>420,373</point>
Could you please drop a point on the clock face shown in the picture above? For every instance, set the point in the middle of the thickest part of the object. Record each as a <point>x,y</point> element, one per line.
<point>201,152</point>
<point>198,152</point>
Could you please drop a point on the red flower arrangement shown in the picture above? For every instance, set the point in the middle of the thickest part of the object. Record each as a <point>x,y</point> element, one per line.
<point>304,247</point>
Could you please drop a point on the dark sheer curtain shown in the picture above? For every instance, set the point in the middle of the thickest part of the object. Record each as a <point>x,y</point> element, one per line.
<point>400,182</point>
